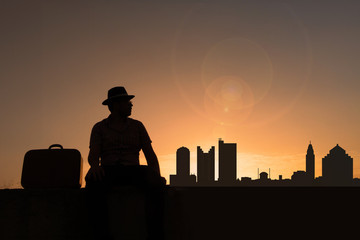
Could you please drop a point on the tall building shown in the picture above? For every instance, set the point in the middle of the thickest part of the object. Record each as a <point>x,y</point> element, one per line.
<point>182,177</point>
<point>227,163</point>
<point>206,166</point>
<point>337,167</point>
<point>310,163</point>
<point>183,162</point>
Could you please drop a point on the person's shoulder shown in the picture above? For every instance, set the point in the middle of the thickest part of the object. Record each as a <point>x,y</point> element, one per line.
<point>135,122</point>
<point>100,124</point>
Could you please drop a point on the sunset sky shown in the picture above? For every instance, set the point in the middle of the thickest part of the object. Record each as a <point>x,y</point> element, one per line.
<point>270,76</point>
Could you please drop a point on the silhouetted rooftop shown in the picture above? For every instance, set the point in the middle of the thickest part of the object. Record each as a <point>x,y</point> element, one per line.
<point>310,149</point>
<point>337,149</point>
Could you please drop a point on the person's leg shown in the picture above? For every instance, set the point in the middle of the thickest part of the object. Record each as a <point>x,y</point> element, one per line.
<point>96,202</point>
<point>154,203</point>
<point>153,187</point>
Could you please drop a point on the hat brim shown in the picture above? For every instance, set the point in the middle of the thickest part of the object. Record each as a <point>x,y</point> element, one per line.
<point>109,100</point>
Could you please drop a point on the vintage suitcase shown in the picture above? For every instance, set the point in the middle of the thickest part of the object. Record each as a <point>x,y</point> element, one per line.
<point>55,167</point>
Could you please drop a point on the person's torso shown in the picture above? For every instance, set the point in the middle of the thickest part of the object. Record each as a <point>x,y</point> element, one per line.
<point>120,146</point>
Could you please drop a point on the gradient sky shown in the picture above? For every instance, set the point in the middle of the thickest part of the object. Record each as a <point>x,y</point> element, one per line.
<point>270,76</point>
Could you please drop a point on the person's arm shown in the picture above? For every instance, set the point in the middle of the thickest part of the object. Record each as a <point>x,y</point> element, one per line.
<point>95,172</point>
<point>94,156</point>
<point>151,158</point>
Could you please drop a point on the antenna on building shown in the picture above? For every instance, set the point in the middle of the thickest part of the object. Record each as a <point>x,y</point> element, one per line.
<point>258,174</point>
<point>269,173</point>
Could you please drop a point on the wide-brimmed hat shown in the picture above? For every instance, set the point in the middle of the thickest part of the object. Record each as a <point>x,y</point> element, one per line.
<point>117,93</point>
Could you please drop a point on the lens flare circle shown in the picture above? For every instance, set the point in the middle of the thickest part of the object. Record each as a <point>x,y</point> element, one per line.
<point>242,59</point>
<point>228,100</point>
<point>200,59</point>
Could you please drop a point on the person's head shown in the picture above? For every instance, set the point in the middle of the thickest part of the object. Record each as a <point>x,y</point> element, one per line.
<point>118,101</point>
<point>120,106</point>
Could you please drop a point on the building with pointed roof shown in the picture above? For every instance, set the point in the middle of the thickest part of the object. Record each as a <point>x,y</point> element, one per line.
<point>310,162</point>
<point>337,167</point>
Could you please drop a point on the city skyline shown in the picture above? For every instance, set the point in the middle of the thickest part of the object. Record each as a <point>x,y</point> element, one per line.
<point>337,169</point>
<point>267,75</point>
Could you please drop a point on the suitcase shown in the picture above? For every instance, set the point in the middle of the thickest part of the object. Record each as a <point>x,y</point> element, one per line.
<point>55,167</point>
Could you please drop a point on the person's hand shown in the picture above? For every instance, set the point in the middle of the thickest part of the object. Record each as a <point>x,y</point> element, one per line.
<point>163,180</point>
<point>95,173</point>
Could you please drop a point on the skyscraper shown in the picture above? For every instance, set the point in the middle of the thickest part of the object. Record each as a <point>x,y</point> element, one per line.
<point>182,177</point>
<point>227,163</point>
<point>206,166</point>
<point>183,162</point>
<point>310,163</point>
<point>337,167</point>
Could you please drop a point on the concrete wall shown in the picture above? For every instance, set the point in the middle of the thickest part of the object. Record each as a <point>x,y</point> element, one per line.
<point>191,213</point>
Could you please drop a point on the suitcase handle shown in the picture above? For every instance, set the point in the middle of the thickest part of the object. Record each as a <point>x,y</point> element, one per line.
<point>56,145</point>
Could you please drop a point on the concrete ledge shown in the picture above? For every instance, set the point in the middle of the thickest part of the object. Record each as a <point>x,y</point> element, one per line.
<point>191,213</point>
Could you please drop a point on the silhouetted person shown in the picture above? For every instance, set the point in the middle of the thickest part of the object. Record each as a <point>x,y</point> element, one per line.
<point>115,144</point>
